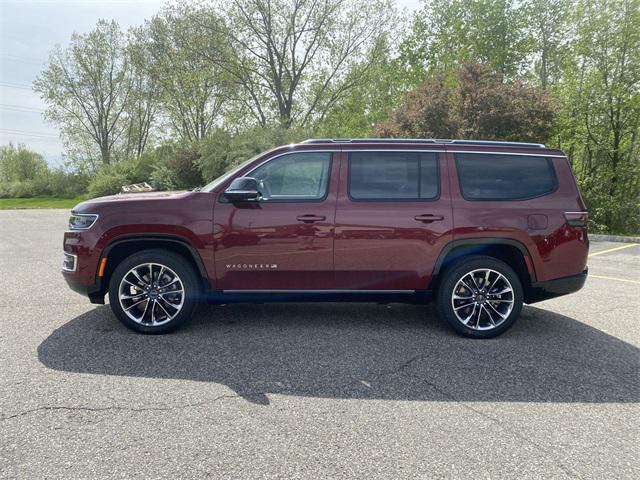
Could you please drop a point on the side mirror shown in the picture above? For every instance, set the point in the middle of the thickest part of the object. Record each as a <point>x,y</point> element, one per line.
<point>242,189</point>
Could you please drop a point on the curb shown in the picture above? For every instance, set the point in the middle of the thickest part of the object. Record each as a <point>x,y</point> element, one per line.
<point>613,238</point>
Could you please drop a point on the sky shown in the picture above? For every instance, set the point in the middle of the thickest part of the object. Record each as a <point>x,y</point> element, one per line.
<point>29,29</point>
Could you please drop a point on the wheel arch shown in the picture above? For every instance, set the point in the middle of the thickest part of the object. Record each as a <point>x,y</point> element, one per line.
<point>512,252</point>
<point>121,248</point>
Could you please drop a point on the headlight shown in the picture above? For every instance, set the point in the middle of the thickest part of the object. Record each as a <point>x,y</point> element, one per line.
<point>81,221</point>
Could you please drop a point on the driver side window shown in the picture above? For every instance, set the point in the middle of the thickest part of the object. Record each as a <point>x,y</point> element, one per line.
<point>298,176</point>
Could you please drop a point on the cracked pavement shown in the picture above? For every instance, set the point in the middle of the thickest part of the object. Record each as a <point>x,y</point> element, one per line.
<point>312,390</point>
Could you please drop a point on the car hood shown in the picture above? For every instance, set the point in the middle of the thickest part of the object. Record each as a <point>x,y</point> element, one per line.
<point>129,197</point>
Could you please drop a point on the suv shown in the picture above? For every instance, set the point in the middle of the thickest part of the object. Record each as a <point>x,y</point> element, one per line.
<point>479,226</point>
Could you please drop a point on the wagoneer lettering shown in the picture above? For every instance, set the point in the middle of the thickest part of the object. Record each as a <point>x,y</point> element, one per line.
<point>480,227</point>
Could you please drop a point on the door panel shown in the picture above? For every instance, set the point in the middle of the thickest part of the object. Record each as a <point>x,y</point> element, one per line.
<point>284,242</point>
<point>391,243</point>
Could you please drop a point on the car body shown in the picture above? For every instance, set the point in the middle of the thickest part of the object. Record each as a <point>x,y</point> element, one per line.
<point>353,219</point>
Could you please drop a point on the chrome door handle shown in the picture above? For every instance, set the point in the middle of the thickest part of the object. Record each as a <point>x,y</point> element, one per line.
<point>310,218</point>
<point>428,218</point>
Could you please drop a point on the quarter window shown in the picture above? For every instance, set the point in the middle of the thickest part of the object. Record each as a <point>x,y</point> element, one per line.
<point>504,177</point>
<point>297,176</point>
<point>393,176</point>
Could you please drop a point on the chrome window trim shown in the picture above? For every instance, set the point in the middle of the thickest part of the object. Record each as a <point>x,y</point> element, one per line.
<point>331,150</point>
<point>75,262</point>
<point>83,215</point>
<point>520,154</point>
<point>418,149</point>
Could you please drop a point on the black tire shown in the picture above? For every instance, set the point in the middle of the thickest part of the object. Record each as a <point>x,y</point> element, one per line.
<point>173,263</point>
<point>507,306</point>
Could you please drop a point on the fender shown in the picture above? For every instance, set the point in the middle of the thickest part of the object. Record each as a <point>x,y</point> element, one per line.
<point>486,241</point>
<point>161,238</point>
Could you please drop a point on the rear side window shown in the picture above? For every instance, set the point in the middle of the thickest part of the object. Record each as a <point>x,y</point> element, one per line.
<point>393,176</point>
<point>485,176</point>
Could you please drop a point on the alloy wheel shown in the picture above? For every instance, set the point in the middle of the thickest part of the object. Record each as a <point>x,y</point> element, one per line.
<point>482,299</point>
<point>151,294</point>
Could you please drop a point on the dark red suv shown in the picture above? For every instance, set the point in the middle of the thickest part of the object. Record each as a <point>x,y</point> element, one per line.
<point>480,226</point>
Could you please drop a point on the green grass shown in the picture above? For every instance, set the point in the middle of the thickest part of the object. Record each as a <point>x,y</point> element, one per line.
<point>40,202</point>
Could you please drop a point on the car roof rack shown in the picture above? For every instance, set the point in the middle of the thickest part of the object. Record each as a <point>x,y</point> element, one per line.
<point>425,140</point>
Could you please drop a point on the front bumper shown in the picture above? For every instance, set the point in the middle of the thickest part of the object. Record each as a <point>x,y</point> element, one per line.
<point>93,291</point>
<point>555,288</point>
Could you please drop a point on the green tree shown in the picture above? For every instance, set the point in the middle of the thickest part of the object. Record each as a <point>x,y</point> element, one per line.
<point>600,116</point>
<point>18,164</point>
<point>193,89</point>
<point>86,87</point>
<point>447,32</point>
<point>290,58</point>
<point>549,30</point>
<point>477,105</point>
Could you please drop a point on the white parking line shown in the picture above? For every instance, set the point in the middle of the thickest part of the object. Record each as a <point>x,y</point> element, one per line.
<point>613,249</point>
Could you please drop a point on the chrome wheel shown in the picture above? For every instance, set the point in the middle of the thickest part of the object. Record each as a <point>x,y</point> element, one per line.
<point>482,299</point>
<point>151,294</point>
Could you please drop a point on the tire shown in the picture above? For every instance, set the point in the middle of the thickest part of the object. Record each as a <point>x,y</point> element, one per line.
<point>478,310</point>
<point>156,307</point>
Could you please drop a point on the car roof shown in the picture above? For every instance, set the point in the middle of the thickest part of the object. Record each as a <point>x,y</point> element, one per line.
<point>492,143</point>
<point>459,146</point>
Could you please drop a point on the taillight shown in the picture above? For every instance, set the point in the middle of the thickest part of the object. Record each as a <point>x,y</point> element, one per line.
<point>576,219</point>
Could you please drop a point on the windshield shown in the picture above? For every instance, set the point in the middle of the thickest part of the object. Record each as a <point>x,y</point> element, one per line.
<point>222,178</point>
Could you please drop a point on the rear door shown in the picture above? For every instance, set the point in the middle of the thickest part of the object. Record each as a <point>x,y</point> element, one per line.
<point>393,218</point>
<point>284,240</point>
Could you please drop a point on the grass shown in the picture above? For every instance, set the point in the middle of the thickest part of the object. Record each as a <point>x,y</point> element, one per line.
<point>40,202</point>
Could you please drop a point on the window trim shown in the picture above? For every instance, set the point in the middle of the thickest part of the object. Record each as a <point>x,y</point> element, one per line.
<point>223,199</point>
<point>549,163</point>
<point>395,200</point>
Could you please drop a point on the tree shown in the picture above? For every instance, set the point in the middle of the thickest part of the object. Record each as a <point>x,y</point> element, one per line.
<point>600,116</point>
<point>478,105</point>
<point>193,89</point>
<point>290,58</point>
<point>18,164</point>
<point>447,32</point>
<point>549,31</point>
<point>86,87</point>
<point>369,103</point>
<point>144,101</point>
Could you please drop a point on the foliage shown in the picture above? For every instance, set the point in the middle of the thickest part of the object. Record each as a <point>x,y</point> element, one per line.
<point>24,173</point>
<point>87,86</point>
<point>290,59</point>
<point>40,202</point>
<point>202,86</point>
<point>224,150</point>
<point>599,122</point>
<point>18,164</point>
<point>192,88</point>
<point>477,105</point>
<point>448,32</point>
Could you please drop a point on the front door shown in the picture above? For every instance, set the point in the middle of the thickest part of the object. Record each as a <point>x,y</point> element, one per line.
<point>283,240</point>
<point>394,216</point>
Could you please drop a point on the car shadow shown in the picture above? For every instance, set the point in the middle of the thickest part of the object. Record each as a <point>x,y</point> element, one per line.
<point>357,351</point>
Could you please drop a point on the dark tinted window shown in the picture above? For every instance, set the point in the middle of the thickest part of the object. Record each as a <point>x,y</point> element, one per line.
<point>504,177</point>
<point>393,176</point>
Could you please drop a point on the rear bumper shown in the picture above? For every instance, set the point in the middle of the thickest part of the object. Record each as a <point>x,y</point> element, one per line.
<point>554,288</point>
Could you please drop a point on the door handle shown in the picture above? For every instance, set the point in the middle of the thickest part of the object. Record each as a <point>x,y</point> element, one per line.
<point>428,218</point>
<point>310,218</point>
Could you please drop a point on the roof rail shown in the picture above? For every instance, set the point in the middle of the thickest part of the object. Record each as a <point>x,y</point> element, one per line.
<point>424,140</point>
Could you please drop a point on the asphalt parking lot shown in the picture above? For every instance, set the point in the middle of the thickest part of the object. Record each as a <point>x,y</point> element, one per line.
<point>313,390</point>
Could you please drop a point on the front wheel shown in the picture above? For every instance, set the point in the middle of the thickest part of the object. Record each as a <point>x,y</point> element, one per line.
<point>480,297</point>
<point>153,291</point>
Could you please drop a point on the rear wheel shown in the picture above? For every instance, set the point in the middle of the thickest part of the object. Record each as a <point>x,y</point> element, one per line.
<point>153,291</point>
<point>480,297</point>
